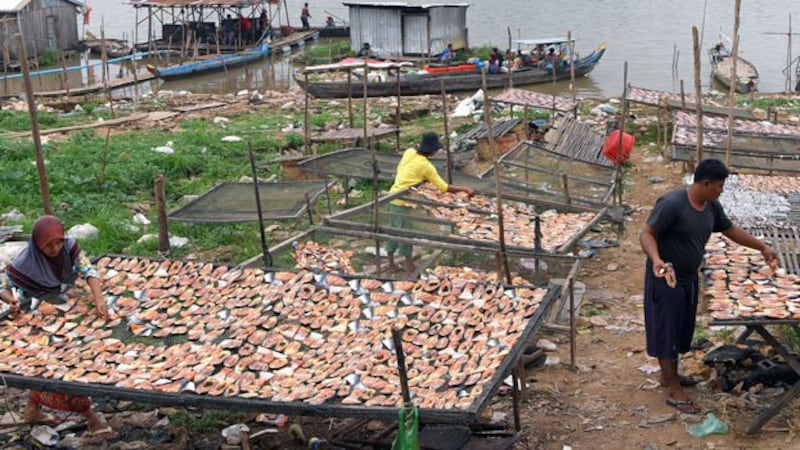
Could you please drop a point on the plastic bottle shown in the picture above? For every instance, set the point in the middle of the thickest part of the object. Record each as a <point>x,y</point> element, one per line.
<point>712,425</point>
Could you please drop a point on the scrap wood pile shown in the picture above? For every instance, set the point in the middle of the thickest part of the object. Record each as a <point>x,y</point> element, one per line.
<point>276,336</point>
<point>557,228</point>
<point>740,285</point>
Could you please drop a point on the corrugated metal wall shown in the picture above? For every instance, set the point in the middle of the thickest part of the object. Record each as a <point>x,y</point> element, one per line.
<point>37,20</point>
<point>381,27</point>
<point>448,25</point>
<point>415,34</point>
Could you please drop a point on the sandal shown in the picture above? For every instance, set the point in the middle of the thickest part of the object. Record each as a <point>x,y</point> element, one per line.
<point>684,406</point>
<point>45,419</point>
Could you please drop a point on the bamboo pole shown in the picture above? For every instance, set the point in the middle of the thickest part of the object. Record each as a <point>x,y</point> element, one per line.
<point>32,112</point>
<point>266,256</point>
<point>106,75</point>
<point>510,61</point>
<point>623,115</point>
<point>350,96</point>
<point>487,114</point>
<point>161,209</point>
<point>698,94</point>
<point>364,82</point>
<point>6,58</point>
<point>734,82</point>
<point>446,133</point>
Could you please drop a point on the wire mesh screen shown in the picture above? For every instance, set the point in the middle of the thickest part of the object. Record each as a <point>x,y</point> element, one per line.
<point>236,202</point>
<point>533,171</point>
<point>455,219</point>
<point>353,252</point>
<point>357,163</point>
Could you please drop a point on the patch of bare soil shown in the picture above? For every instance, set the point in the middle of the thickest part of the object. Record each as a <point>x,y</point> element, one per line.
<point>608,403</point>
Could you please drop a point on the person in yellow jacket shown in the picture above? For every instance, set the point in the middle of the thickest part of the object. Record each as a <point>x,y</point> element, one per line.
<point>415,167</point>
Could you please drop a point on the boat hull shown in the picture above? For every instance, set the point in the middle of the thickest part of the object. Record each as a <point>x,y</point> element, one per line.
<point>453,81</point>
<point>211,64</point>
<point>746,74</point>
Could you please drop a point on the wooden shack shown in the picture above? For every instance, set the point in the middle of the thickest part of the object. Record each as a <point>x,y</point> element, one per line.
<point>401,29</point>
<point>38,21</point>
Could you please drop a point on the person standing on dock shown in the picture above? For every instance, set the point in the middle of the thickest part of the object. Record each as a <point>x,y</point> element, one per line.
<point>674,240</point>
<point>414,168</point>
<point>304,15</point>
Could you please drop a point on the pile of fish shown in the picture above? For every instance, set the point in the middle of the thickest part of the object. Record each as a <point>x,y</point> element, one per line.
<point>740,126</point>
<point>535,100</point>
<point>757,201</point>
<point>740,285</point>
<point>313,256</point>
<point>315,338</point>
<point>653,97</point>
<point>518,219</point>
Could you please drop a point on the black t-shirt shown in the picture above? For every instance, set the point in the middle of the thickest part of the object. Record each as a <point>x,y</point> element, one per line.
<point>682,231</point>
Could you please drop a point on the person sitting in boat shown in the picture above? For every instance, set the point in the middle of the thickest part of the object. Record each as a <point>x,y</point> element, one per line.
<point>414,168</point>
<point>329,22</point>
<point>264,30</point>
<point>447,55</point>
<point>245,28</point>
<point>39,276</point>
<point>718,52</point>
<point>365,51</point>
<point>551,60</point>
<point>495,61</point>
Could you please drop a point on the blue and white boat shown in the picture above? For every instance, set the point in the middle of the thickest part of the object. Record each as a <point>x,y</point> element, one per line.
<point>210,63</point>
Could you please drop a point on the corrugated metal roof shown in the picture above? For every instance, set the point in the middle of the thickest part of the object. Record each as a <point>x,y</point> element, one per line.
<point>404,5</point>
<point>16,5</point>
<point>223,3</point>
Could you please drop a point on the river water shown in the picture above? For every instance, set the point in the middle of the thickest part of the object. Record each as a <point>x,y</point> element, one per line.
<point>652,36</point>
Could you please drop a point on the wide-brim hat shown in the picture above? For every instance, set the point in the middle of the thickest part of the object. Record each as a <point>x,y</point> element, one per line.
<point>430,143</point>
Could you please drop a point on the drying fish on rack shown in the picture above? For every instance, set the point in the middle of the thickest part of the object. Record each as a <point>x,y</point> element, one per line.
<point>755,201</point>
<point>557,228</point>
<point>313,256</point>
<point>281,336</point>
<point>772,184</point>
<point>740,285</point>
<point>742,126</point>
<point>652,97</point>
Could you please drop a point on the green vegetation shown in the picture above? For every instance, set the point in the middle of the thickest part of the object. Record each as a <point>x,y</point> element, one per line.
<point>206,420</point>
<point>325,52</point>
<point>790,104</point>
<point>48,57</point>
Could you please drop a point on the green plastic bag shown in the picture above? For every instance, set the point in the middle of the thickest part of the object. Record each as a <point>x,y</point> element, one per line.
<point>407,429</point>
<point>712,425</point>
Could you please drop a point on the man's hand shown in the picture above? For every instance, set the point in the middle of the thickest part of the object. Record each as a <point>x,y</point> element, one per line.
<point>101,306</point>
<point>665,270</point>
<point>770,256</point>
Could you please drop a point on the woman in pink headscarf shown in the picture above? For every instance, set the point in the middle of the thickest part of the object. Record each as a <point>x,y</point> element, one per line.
<point>44,271</point>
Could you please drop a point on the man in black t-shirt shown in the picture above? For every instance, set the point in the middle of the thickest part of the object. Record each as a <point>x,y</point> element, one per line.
<point>674,239</point>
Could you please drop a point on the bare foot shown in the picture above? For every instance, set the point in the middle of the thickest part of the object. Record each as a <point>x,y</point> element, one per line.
<point>40,417</point>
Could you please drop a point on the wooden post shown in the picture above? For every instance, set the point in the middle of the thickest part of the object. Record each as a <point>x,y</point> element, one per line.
<point>683,96</point>
<point>565,186</point>
<point>733,84</point>
<point>510,61</point>
<point>6,58</point>
<point>446,132</point>
<point>571,65</point>
<point>161,209</point>
<point>698,94</point>
<point>135,68</point>
<point>623,116</point>
<point>106,75</point>
<point>32,112</point>
<point>365,83</point>
<point>59,44</point>
<point>350,96</point>
<point>430,58</point>
<point>306,118</point>
<point>397,119</point>
<point>487,116</point>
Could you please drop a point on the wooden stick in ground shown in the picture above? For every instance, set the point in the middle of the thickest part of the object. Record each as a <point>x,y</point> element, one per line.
<point>365,82</point>
<point>60,46</point>
<point>487,116</point>
<point>106,75</point>
<point>623,116</point>
<point>397,339</point>
<point>266,256</point>
<point>37,139</point>
<point>6,58</point>
<point>571,65</point>
<point>733,84</point>
<point>350,97</point>
<point>510,60</point>
<point>397,118</point>
<point>698,95</point>
<point>446,133</point>
<point>161,209</point>
<point>306,119</point>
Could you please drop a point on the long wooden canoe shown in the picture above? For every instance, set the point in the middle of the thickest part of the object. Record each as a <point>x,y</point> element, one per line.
<point>422,84</point>
<point>746,74</point>
<point>210,63</point>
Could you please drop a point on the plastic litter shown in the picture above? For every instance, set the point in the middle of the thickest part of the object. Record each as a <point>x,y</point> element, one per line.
<point>712,425</point>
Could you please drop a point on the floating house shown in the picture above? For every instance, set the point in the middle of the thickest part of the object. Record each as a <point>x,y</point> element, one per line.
<point>43,24</point>
<point>402,29</point>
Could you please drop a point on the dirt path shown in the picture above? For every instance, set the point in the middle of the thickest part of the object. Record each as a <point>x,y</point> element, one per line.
<point>602,405</point>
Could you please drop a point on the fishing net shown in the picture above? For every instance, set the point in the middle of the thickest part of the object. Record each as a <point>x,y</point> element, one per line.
<point>235,202</point>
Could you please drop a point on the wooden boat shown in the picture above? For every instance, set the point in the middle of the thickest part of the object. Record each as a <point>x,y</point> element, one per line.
<point>115,48</point>
<point>210,63</point>
<point>455,81</point>
<point>722,65</point>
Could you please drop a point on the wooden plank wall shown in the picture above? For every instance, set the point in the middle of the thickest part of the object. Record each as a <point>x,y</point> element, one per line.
<point>33,23</point>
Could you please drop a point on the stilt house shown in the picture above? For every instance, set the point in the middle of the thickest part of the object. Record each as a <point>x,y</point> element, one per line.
<point>42,24</point>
